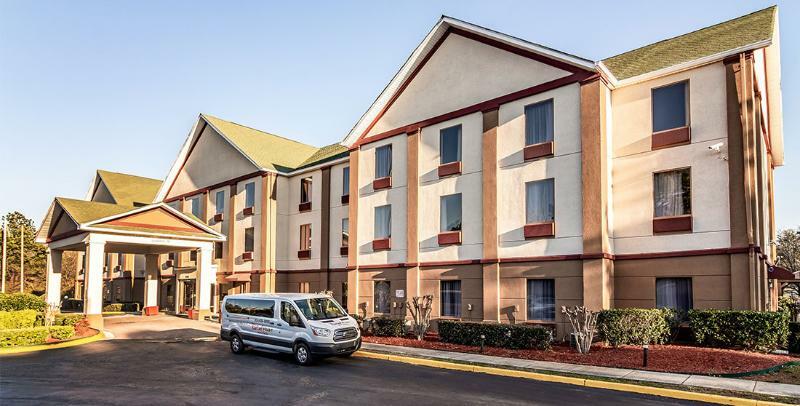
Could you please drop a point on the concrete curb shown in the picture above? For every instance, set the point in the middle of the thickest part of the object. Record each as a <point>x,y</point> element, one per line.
<point>625,387</point>
<point>42,347</point>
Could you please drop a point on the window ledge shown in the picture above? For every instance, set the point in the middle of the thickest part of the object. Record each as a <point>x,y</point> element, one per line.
<point>247,256</point>
<point>673,224</point>
<point>671,138</point>
<point>345,199</point>
<point>304,254</point>
<point>538,230</point>
<point>450,169</point>
<point>382,244</point>
<point>218,217</point>
<point>536,151</point>
<point>343,251</point>
<point>304,207</point>
<point>449,238</point>
<point>248,211</point>
<point>382,183</point>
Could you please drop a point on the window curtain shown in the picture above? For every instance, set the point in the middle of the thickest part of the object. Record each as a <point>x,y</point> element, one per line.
<point>219,202</point>
<point>540,201</point>
<point>672,193</point>
<point>450,144</point>
<point>345,232</point>
<point>305,190</point>
<point>305,237</point>
<point>383,161</point>
<point>346,181</point>
<point>450,216</point>
<point>451,298</point>
<point>381,297</point>
<point>383,222</point>
<point>539,122</point>
<point>674,293</point>
<point>541,299</point>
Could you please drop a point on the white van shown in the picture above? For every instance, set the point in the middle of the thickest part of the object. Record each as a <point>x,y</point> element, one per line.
<point>306,325</point>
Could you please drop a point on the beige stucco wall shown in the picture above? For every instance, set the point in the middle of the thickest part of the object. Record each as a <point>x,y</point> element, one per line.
<point>461,73</point>
<point>290,219</point>
<point>337,213</point>
<point>471,277</point>
<point>366,290</point>
<point>243,222</point>
<point>564,167</point>
<point>634,164</point>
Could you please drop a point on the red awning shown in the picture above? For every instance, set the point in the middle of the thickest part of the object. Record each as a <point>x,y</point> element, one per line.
<point>238,277</point>
<point>780,273</point>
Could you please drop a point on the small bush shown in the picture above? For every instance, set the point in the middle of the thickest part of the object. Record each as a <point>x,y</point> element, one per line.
<point>33,335</point>
<point>794,338</point>
<point>387,327</point>
<point>21,301</point>
<point>113,307</point>
<point>496,335</point>
<point>68,319</point>
<point>635,326</point>
<point>17,319</point>
<point>763,331</point>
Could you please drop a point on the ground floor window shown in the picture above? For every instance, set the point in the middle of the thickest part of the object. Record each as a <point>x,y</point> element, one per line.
<point>674,293</point>
<point>451,298</point>
<point>542,299</point>
<point>305,287</point>
<point>381,296</point>
<point>344,296</point>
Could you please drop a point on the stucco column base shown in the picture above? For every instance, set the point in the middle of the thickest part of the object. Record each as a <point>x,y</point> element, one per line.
<point>598,284</point>
<point>491,292</point>
<point>95,321</point>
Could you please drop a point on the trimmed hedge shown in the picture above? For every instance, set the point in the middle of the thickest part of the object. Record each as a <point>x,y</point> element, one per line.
<point>17,319</point>
<point>496,335</point>
<point>68,319</point>
<point>122,307</point>
<point>631,326</point>
<point>113,307</point>
<point>387,327</point>
<point>794,338</point>
<point>763,331</point>
<point>21,301</point>
<point>34,335</point>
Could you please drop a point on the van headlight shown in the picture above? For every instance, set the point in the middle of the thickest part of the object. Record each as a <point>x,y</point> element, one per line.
<point>322,332</point>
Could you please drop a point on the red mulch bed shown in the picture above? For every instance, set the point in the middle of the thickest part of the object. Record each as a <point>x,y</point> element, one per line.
<point>663,358</point>
<point>82,330</point>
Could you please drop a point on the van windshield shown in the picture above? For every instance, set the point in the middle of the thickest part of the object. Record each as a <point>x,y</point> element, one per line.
<point>320,308</point>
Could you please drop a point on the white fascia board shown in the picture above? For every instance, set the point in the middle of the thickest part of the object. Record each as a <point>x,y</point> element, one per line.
<point>155,235</point>
<point>41,234</point>
<point>176,166</point>
<point>92,186</point>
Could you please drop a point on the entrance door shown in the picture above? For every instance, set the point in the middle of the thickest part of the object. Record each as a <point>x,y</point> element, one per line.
<point>189,295</point>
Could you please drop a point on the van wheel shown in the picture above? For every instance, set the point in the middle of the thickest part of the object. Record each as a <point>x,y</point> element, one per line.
<point>237,345</point>
<point>302,354</point>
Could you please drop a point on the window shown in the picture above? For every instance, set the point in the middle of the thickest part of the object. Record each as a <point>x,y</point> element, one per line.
<point>249,234</point>
<point>345,232</point>
<point>451,298</point>
<point>304,287</point>
<point>290,315</point>
<point>383,162</point>
<point>540,201</point>
<point>346,181</point>
<point>344,295</point>
<point>194,206</point>
<point>670,107</point>
<point>120,260</point>
<point>193,255</point>
<point>674,293</point>
<point>171,256</point>
<point>218,250</point>
<point>542,299</point>
<point>450,216</point>
<point>539,122</point>
<point>383,222</point>
<point>381,296</point>
<point>250,307</point>
<point>250,194</point>
<point>672,193</point>
<point>305,237</point>
<point>450,144</point>
<point>175,204</point>
<point>219,202</point>
<point>305,190</point>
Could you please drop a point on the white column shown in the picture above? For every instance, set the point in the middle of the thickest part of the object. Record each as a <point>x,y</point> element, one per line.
<point>93,278</point>
<point>54,277</point>
<point>151,280</point>
<point>205,280</point>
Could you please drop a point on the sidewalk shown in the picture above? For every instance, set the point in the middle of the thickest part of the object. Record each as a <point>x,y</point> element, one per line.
<point>702,381</point>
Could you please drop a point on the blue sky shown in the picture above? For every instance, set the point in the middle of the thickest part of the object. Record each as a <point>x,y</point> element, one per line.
<point>118,85</point>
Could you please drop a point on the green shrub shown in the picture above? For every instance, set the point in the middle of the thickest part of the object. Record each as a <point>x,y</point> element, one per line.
<point>113,307</point>
<point>68,319</point>
<point>635,326</point>
<point>388,327</point>
<point>17,319</point>
<point>33,335</point>
<point>763,331</point>
<point>496,335</point>
<point>21,301</point>
<point>794,338</point>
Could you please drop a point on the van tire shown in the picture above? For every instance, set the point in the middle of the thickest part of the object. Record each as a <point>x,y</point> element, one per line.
<point>237,345</point>
<point>302,354</point>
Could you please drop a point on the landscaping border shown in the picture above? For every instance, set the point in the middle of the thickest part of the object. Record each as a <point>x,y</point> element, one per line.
<point>63,344</point>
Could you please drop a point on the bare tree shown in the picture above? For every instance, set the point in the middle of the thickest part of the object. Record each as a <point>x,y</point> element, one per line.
<point>788,250</point>
<point>583,322</point>
<point>420,309</point>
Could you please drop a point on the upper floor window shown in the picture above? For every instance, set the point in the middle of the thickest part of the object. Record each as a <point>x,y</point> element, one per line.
<point>249,239</point>
<point>250,194</point>
<point>175,204</point>
<point>542,299</point>
<point>539,122</point>
<point>194,206</point>
<point>450,144</point>
<point>674,293</point>
<point>345,232</point>
<point>305,237</point>
<point>346,181</point>
<point>451,298</point>
<point>219,202</point>
<point>670,106</point>
<point>383,161</point>
<point>540,201</point>
<point>383,222</point>
<point>672,193</point>
<point>218,250</point>
<point>450,216</point>
<point>305,190</point>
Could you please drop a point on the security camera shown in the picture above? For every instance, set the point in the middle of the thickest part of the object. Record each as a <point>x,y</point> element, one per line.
<point>716,147</point>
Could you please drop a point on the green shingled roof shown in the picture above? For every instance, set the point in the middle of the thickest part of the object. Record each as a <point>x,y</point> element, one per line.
<point>84,211</point>
<point>129,189</point>
<point>716,39</point>
<point>325,154</point>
